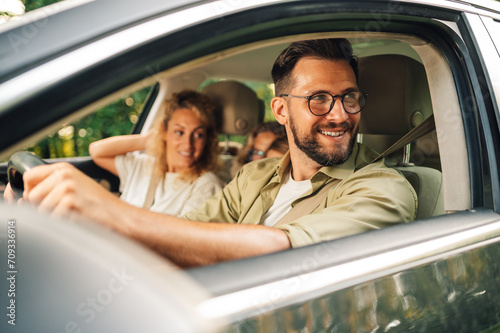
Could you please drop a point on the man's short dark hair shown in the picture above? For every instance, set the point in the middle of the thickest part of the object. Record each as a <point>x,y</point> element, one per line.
<point>329,49</point>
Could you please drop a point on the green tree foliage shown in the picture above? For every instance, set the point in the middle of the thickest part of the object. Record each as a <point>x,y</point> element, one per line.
<point>265,93</point>
<point>117,118</point>
<point>34,4</point>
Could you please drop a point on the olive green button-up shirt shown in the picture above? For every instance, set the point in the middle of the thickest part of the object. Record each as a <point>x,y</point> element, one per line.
<point>367,196</point>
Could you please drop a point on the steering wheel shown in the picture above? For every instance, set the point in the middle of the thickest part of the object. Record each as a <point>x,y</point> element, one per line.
<point>18,164</point>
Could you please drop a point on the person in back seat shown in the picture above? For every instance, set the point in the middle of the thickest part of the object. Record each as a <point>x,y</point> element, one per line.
<point>175,175</point>
<point>319,103</point>
<point>278,148</point>
<point>258,143</point>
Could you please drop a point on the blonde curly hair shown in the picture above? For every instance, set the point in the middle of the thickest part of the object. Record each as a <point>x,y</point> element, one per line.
<point>203,107</point>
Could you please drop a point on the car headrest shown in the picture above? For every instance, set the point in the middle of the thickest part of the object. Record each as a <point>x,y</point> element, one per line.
<point>398,94</point>
<point>240,110</point>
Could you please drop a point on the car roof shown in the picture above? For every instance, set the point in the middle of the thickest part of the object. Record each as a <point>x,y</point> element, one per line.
<point>36,37</point>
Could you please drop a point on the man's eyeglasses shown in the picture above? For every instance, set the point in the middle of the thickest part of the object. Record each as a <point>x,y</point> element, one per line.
<point>322,103</point>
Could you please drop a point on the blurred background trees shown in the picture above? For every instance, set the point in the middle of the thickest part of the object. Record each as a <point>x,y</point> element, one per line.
<point>72,140</point>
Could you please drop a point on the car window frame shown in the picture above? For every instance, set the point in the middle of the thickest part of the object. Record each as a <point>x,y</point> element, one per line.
<point>432,28</point>
<point>394,237</point>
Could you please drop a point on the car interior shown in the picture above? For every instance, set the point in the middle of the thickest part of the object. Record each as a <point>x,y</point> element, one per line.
<point>407,80</point>
<point>421,67</point>
<point>240,111</point>
<point>404,83</point>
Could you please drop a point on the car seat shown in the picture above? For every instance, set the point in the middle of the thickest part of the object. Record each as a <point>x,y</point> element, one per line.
<point>398,101</point>
<point>239,111</point>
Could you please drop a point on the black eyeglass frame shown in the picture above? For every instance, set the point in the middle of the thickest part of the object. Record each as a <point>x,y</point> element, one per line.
<point>333,101</point>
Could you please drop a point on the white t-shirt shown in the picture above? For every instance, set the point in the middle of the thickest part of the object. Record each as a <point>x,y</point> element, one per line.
<point>290,190</point>
<point>172,196</point>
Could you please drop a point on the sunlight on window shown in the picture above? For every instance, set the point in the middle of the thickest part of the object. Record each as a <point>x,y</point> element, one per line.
<point>82,132</point>
<point>66,132</point>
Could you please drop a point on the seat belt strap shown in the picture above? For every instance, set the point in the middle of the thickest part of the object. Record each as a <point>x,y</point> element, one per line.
<point>427,126</point>
<point>307,205</point>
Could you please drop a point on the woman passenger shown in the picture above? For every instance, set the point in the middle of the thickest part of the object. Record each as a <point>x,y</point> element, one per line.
<point>175,173</point>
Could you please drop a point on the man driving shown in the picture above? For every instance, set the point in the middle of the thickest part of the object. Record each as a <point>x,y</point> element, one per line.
<point>324,188</point>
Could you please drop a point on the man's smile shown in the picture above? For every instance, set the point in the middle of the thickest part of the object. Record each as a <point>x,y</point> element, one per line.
<point>334,134</point>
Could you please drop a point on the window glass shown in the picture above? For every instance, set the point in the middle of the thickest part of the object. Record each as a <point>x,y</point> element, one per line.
<point>72,140</point>
<point>493,27</point>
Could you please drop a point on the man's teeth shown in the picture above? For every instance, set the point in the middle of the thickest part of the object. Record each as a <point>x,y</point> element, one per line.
<point>332,133</point>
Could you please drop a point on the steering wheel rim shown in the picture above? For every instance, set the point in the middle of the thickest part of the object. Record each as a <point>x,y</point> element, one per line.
<point>18,164</point>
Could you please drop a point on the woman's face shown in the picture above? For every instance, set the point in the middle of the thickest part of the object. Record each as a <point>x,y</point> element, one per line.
<point>185,138</point>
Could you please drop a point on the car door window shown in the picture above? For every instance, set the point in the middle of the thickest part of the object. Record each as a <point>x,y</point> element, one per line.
<point>72,140</point>
<point>493,27</point>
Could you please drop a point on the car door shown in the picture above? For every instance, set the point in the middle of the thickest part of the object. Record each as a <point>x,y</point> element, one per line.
<point>432,275</point>
<point>436,274</point>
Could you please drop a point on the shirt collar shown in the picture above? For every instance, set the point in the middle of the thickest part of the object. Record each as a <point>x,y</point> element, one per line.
<point>343,170</point>
<point>283,166</point>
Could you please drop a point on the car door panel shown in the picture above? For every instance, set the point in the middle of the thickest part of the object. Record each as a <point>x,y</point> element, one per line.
<point>454,294</point>
<point>433,275</point>
<point>417,276</point>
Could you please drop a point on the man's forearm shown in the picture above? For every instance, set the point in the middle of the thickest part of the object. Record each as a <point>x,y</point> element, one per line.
<point>65,191</point>
<point>192,243</point>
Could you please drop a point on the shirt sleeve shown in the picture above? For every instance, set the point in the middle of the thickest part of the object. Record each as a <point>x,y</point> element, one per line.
<point>364,201</point>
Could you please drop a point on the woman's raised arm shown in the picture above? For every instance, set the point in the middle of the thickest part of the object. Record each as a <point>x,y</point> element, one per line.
<point>104,151</point>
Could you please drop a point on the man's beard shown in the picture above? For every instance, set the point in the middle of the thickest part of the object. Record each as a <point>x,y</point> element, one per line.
<point>310,146</point>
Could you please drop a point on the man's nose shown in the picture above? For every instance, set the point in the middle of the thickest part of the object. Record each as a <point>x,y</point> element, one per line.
<point>338,113</point>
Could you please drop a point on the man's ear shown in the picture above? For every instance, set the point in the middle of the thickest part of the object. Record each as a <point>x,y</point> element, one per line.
<point>280,109</point>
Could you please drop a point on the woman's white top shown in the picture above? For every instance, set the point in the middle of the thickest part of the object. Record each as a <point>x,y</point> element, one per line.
<point>172,195</point>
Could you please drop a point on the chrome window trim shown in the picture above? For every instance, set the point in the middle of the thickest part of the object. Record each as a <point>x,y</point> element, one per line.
<point>257,300</point>
<point>453,26</point>
<point>35,81</point>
